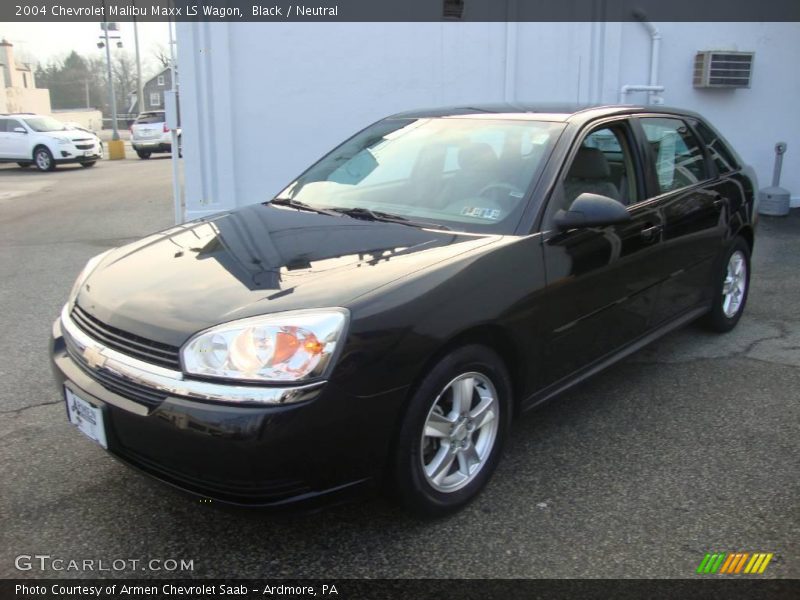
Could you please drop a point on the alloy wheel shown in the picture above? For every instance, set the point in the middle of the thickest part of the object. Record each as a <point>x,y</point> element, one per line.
<point>735,284</point>
<point>459,432</point>
<point>43,160</point>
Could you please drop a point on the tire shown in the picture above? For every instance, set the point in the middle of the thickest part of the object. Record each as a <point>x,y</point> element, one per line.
<point>43,159</point>
<point>733,271</point>
<point>470,449</point>
<point>143,155</point>
<point>24,165</point>
<point>91,163</point>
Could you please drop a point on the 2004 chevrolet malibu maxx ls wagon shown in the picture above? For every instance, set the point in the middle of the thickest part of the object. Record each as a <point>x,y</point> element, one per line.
<point>388,313</point>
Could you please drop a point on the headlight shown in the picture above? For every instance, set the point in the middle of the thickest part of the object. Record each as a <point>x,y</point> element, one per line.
<point>87,270</point>
<point>64,141</point>
<point>290,346</point>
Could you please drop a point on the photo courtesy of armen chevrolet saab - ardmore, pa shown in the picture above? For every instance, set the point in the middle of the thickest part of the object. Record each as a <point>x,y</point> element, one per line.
<point>372,325</point>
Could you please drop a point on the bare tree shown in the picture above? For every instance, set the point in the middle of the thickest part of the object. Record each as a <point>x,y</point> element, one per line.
<point>162,55</point>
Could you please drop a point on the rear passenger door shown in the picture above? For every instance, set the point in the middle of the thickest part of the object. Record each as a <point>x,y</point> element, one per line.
<point>681,185</point>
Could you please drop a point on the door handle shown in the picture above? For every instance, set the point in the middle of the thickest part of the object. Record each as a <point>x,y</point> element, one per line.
<point>650,234</point>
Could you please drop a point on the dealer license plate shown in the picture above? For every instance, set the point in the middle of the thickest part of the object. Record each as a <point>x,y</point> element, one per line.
<point>86,417</point>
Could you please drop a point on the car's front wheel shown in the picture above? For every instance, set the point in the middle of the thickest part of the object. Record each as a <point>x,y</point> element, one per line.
<point>453,432</point>
<point>731,286</point>
<point>43,159</point>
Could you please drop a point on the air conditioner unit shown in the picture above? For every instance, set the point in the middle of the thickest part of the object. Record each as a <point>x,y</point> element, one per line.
<point>723,69</point>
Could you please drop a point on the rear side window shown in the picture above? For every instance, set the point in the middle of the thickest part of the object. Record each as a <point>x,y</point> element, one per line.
<point>721,155</point>
<point>147,118</point>
<point>678,155</point>
<point>3,125</point>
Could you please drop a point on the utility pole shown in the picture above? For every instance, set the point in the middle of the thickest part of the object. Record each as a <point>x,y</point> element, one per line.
<point>139,85</point>
<point>116,147</point>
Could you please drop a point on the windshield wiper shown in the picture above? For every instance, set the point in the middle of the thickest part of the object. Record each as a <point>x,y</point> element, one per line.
<point>376,215</point>
<point>292,203</point>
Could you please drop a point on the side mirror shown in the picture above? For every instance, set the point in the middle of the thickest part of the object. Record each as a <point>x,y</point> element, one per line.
<point>19,130</point>
<point>591,210</point>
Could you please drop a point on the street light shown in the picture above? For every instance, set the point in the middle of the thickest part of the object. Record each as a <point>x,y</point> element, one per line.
<point>116,147</point>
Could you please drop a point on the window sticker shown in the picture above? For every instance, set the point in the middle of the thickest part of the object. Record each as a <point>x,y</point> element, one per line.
<point>491,214</point>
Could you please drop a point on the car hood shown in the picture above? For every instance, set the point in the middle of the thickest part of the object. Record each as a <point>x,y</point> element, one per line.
<point>257,260</point>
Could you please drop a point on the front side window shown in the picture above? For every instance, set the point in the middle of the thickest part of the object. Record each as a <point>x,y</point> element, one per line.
<point>44,124</point>
<point>465,173</point>
<point>679,159</point>
<point>602,165</point>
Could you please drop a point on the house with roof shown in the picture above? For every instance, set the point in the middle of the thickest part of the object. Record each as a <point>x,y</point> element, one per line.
<point>153,89</point>
<point>18,91</point>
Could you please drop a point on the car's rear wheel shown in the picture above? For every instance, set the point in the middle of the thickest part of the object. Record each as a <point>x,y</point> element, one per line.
<point>453,432</point>
<point>43,159</point>
<point>731,287</point>
<point>24,165</point>
<point>91,163</point>
<point>143,155</point>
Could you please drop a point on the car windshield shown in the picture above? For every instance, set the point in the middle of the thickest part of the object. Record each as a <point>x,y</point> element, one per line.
<point>469,174</point>
<point>147,118</point>
<point>43,124</point>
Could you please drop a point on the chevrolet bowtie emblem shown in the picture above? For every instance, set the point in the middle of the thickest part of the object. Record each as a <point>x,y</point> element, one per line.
<point>93,357</point>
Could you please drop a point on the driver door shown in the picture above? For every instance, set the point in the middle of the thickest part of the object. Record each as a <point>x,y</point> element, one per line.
<point>601,281</point>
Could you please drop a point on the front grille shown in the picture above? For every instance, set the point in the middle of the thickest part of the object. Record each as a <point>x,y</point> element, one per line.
<point>113,382</point>
<point>129,344</point>
<point>84,146</point>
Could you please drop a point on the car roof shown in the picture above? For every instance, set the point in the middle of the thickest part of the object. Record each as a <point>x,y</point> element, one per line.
<point>538,111</point>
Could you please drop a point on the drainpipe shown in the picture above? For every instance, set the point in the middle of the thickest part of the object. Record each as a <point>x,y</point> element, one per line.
<point>655,51</point>
<point>510,83</point>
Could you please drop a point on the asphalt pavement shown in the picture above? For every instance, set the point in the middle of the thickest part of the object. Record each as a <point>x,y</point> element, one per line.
<point>689,446</point>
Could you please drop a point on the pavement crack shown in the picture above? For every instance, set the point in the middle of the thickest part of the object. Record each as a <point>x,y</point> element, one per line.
<point>17,411</point>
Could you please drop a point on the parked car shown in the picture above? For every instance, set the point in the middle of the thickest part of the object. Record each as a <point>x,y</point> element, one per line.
<point>150,133</point>
<point>29,139</point>
<point>389,314</point>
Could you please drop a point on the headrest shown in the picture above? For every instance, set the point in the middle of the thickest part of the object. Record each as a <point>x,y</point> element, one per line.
<point>589,163</point>
<point>477,156</point>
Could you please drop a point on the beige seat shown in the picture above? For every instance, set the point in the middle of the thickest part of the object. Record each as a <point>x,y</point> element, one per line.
<point>589,173</point>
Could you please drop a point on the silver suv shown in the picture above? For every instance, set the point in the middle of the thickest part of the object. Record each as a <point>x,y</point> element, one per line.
<point>150,133</point>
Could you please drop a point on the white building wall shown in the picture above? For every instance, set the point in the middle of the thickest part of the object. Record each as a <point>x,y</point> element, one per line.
<point>261,101</point>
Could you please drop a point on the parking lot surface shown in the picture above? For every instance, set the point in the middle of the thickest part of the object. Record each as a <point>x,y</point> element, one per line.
<point>687,447</point>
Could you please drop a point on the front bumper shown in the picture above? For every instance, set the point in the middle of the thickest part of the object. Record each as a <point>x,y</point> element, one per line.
<point>83,152</point>
<point>326,442</point>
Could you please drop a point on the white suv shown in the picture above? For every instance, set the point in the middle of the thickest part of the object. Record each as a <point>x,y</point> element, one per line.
<point>150,133</point>
<point>28,139</point>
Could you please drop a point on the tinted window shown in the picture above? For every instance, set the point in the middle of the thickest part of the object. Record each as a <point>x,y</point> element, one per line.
<point>679,159</point>
<point>12,124</point>
<point>721,155</point>
<point>146,118</point>
<point>3,123</point>
<point>469,174</point>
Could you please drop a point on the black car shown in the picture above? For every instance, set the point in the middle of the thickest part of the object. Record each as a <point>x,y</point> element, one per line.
<point>387,316</point>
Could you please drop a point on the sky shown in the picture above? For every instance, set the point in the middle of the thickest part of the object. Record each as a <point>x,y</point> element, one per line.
<point>42,42</point>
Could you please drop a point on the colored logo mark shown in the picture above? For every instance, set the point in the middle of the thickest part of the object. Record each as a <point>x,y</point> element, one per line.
<point>735,563</point>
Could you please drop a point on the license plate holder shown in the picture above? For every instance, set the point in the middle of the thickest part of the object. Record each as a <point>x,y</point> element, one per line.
<point>87,417</point>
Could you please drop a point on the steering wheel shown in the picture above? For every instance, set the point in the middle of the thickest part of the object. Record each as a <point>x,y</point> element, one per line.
<point>491,191</point>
